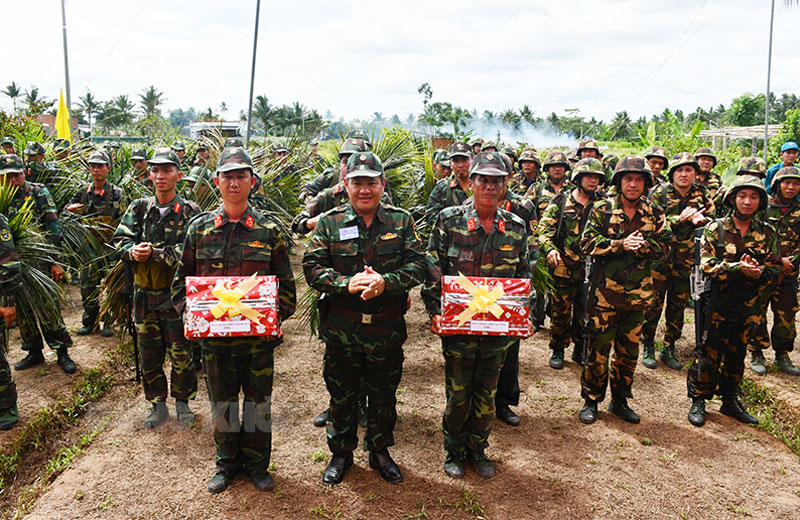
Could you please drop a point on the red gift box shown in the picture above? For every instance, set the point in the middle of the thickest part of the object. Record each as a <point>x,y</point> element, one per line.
<point>231,306</point>
<point>481,306</point>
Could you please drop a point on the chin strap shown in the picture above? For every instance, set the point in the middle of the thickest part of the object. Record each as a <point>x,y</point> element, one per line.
<point>742,217</point>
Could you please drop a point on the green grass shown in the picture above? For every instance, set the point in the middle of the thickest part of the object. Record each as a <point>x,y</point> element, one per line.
<point>775,416</point>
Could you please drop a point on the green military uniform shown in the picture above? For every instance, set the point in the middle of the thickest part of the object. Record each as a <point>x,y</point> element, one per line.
<point>519,183</point>
<point>448,192</point>
<point>9,284</point>
<point>622,285</point>
<point>217,246</point>
<point>363,338</point>
<point>324,180</point>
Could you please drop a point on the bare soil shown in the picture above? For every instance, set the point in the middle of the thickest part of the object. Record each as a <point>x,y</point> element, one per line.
<point>551,466</point>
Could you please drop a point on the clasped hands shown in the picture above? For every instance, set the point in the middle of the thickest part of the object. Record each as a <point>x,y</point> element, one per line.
<point>368,282</point>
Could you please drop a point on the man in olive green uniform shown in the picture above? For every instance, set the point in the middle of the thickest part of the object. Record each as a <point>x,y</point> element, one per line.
<point>739,253</point>
<point>706,160</point>
<point>237,240</point>
<point>364,257</point>
<point>53,330</point>
<point>624,235</point>
<point>783,214</point>
<point>560,230</point>
<point>99,204</point>
<point>476,144</point>
<point>7,146</point>
<point>39,171</point>
<point>180,150</point>
<point>589,148</point>
<point>150,239</point>
<point>140,171</point>
<point>477,239</point>
<point>543,192</point>
<point>331,175</point>
<point>453,190</point>
<point>685,205</point>
<point>528,177</point>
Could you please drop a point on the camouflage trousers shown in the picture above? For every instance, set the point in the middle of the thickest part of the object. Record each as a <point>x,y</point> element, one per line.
<point>160,333</point>
<point>244,442</point>
<point>8,389</point>
<point>90,279</point>
<point>567,321</point>
<point>675,287</point>
<point>618,328</point>
<point>344,370</point>
<point>31,331</point>
<point>472,367</point>
<point>508,384</point>
<point>782,299</point>
<point>718,365</point>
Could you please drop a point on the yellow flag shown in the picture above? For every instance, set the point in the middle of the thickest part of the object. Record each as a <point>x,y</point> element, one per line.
<point>62,119</point>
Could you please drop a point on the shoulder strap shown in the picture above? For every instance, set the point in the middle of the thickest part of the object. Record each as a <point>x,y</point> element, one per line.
<point>561,204</point>
<point>721,234</point>
<point>607,217</point>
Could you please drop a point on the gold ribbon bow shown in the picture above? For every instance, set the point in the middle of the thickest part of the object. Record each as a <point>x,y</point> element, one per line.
<point>483,300</point>
<point>229,300</point>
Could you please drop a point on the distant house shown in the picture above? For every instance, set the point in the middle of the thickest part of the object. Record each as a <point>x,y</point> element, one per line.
<point>199,129</point>
<point>48,123</point>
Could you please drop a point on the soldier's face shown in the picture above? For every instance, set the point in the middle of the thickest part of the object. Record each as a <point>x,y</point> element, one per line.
<point>790,156</point>
<point>140,165</point>
<point>343,165</point>
<point>165,177</point>
<point>706,163</point>
<point>179,153</point>
<point>488,189</point>
<point>746,201</point>
<point>476,149</point>
<point>460,166</point>
<point>35,157</point>
<point>790,188</point>
<point>365,193</point>
<point>684,176</point>
<point>203,153</point>
<point>8,147</point>
<point>235,185</point>
<point>589,153</point>
<point>99,171</point>
<point>14,178</point>
<point>556,172</point>
<point>632,186</point>
<point>529,168</point>
<point>656,164</point>
<point>590,182</point>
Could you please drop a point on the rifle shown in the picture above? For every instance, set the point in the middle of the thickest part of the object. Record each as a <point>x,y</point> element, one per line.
<point>588,288</point>
<point>131,326</point>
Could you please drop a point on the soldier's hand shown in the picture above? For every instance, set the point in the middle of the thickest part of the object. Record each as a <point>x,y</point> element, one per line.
<point>56,273</point>
<point>787,266</point>
<point>633,242</point>
<point>698,217</point>
<point>75,207</point>
<point>531,328</point>
<point>10,314</point>
<point>436,324</point>
<point>376,285</point>
<point>750,267</point>
<point>553,258</point>
<point>141,252</point>
<point>311,223</point>
<point>358,283</point>
<point>686,214</point>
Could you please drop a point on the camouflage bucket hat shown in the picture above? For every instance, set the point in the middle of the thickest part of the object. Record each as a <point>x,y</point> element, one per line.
<point>509,151</point>
<point>488,163</point>
<point>178,146</point>
<point>99,157</point>
<point>752,166</point>
<point>139,155</point>
<point>659,152</point>
<point>487,145</point>
<point>34,148</point>
<point>461,149</point>
<point>573,157</point>
<point>787,172</point>
<point>353,145</point>
<point>365,164</point>
<point>610,161</point>
<point>682,159</point>
<point>476,141</point>
<point>235,158</point>
<point>11,163</point>
<point>279,148</point>
<point>531,155</point>
<point>165,155</point>
<point>588,144</point>
<point>746,181</point>
<point>7,140</point>
<point>632,164</point>
<point>588,166</point>
<point>705,151</point>
<point>60,145</point>
<point>555,158</point>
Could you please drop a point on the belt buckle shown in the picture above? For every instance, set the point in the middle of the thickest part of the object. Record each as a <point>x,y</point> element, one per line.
<point>366,319</point>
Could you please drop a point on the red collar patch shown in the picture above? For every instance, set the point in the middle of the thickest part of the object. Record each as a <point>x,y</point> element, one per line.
<point>337,189</point>
<point>177,207</point>
<point>218,221</point>
<point>507,205</point>
<point>453,183</point>
<point>501,226</point>
<point>248,222</point>
<point>471,224</point>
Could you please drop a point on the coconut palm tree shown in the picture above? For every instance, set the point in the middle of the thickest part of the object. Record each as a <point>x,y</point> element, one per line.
<point>150,99</point>
<point>90,106</point>
<point>37,105</point>
<point>13,91</point>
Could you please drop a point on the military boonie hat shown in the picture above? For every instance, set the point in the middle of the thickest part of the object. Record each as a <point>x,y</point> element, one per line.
<point>487,145</point>
<point>746,181</point>
<point>789,145</point>
<point>60,145</point>
<point>165,155</point>
<point>705,151</point>
<point>476,141</point>
<point>588,144</point>
<point>99,157</point>
<point>353,145</point>
<point>488,163</point>
<point>178,146</point>
<point>554,158</point>
<point>139,155</point>
<point>787,172</point>
<point>633,164</point>
<point>657,152</point>
<point>683,159</point>
<point>364,164</point>
<point>459,149</point>
<point>752,166</point>
<point>34,148</point>
<point>11,163</point>
<point>279,147</point>
<point>235,158</point>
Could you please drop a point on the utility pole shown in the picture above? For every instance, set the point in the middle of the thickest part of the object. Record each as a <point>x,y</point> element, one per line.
<point>769,71</point>
<point>252,76</point>
<point>66,61</point>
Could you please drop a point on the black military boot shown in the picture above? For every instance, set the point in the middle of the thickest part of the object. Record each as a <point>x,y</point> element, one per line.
<point>382,461</point>
<point>65,362</point>
<point>732,407</point>
<point>84,330</point>
<point>337,467</point>
<point>619,407</point>
<point>588,413</point>
<point>577,354</point>
<point>34,357</point>
<point>557,359</point>
<point>108,330</point>
<point>219,482</point>
<point>649,356</point>
<point>262,480</point>
<point>784,364</point>
<point>667,357</point>
<point>454,465</point>
<point>697,413</point>
<point>322,419</point>
<point>483,466</point>
<point>8,418</point>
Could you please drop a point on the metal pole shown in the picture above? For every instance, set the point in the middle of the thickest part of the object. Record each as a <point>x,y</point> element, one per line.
<point>66,61</point>
<point>769,71</point>
<point>253,76</point>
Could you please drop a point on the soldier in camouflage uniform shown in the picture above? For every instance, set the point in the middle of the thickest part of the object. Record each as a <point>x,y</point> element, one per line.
<point>624,235</point>
<point>140,171</point>
<point>364,257</point>
<point>747,166</point>
<point>610,162</point>
<point>560,230</point>
<point>9,283</point>
<point>150,238</point>
<point>453,190</point>
<point>476,145</point>
<point>38,171</point>
<point>739,253</point>
<point>7,145</point>
<point>489,146</point>
<point>99,203</point>
<point>543,192</point>
<point>180,150</point>
<point>237,240</point>
<point>686,205</point>
<point>783,214</point>
<point>477,239</point>
<point>657,160</point>
<point>707,161</point>
<point>529,164</point>
<point>589,148</point>
<point>44,209</point>
<point>331,175</point>
<point>441,164</point>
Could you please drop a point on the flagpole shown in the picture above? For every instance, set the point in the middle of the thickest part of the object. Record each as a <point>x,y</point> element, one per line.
<point>769,73</point>
<point>66,61</point>
<point>252,76</point>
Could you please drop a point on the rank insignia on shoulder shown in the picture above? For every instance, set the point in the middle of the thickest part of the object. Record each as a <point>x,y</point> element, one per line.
<point>506,247</point>
<point>453,183</point>
<point>471,224</point>
<point>218,221</point>
<point>256,244</point>
<point>389,236</point>
<point>249,221</point>
<point>5,236</point>
<point>501,226</point>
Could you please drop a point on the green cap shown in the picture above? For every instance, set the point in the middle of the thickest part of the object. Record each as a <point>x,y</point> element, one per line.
<point>360,134</point>
<point>487,145</point>
<point>201,146</point>
<point>279,147</point>
<point>99,157</point>
<point>139,155</point>
<point>178,146</point>
<point>234,142</point>
<point>752,166</point>
<point>11,163</point>
<point>488,163</point>
<point>353,145</point>
<point>746,181</point>
<point>459,149</point>
<point>60,145</point>
<point>7,140</point>
<point>364,164</point>
<point>235,158</point>
<point>165,155</point>
<point>34,148</point>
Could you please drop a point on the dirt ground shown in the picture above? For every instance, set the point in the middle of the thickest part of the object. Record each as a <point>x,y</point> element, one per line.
<point>551,466</point>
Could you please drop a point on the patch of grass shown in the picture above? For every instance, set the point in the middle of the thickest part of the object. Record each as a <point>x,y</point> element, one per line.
<point>469,503</point>
<point>416,516</point>
<point>42,372</point>
<point>318,455</point>
<point>106,503</point>
<point>645,441</point>
<point>739,510</point>
<point>272,466</point>
<point>667,459</point>
<point>325,511</point>
<point>369,497</point>
<point>555,427</point>
<point>775,416</point>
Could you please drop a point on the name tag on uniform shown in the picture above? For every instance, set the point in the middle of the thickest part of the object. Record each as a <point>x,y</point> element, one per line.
<point>348,233</point>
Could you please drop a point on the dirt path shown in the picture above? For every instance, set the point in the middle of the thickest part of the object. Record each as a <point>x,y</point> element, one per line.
<point>551,466</point>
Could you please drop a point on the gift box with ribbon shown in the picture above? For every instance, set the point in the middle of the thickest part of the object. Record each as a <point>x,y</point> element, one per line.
<point>231,306</point>
<point>475,305</point>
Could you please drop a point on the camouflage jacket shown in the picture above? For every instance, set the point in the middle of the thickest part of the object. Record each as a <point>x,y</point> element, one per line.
<point>43,207</point>
<point>326,200</point>
<point>459,244</point>
<point>324,180</point>
<point>520,184</point>
<point>342,246</point>
<point>216,246</point>
<point>543,193</point>
<point>786,222</point>
<point>561,231</point>
<point>712,183</point>
<point>524,209</point>
<point>42,173</point>
<point>722,210</point>
<point>623,279</point>
<point>670,201</point>
<point>143,222</point>
<point>9,266</point>
<point>446,192</point>
<point>101,208</point>
<point>257,197</point>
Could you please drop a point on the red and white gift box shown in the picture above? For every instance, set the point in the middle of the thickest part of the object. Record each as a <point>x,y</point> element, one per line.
<point>482,306</point>
<point>231,306</point>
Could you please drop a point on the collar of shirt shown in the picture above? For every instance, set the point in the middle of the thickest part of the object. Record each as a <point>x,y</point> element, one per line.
<point>472,214</point>
<point>249,217</point>
<point>174,206</point>
<point>351,215</point>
